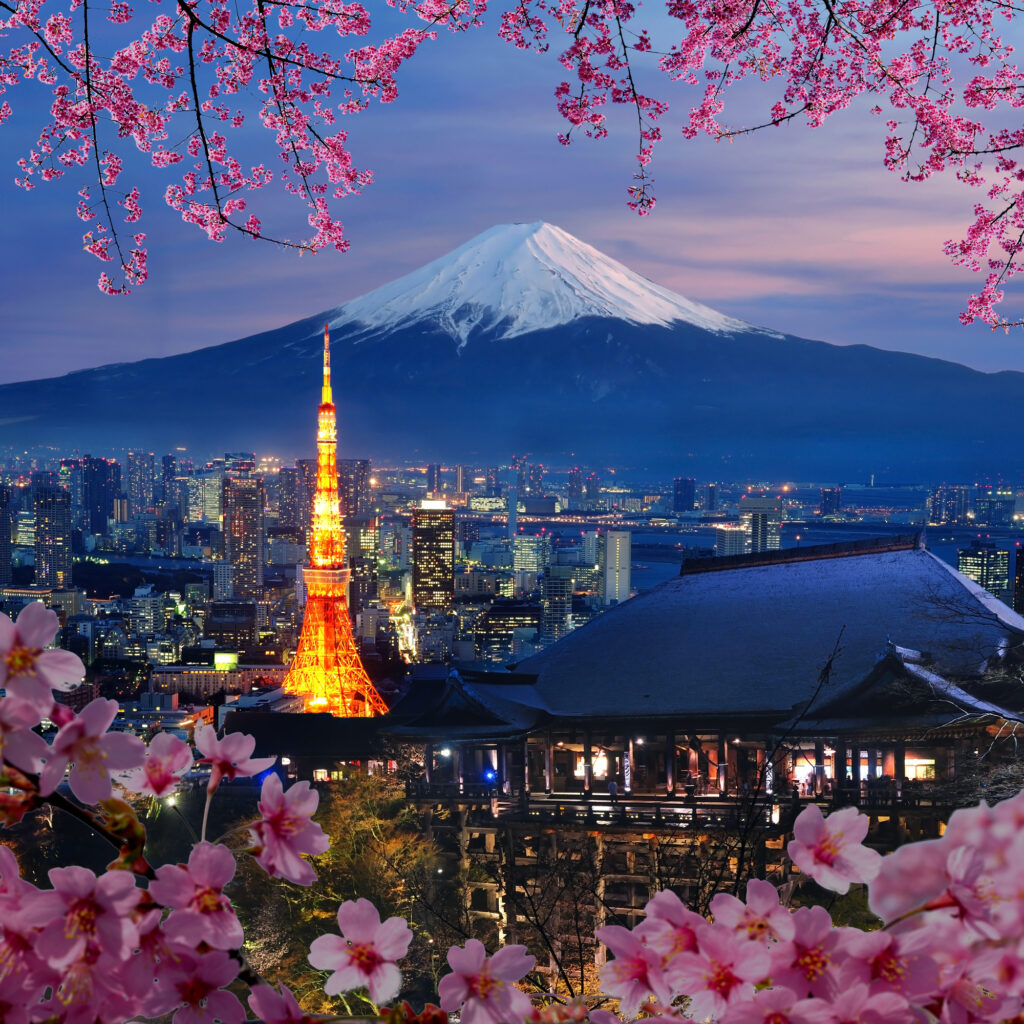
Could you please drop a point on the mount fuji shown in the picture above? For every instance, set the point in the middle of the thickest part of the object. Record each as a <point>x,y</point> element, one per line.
<point>526,339</point>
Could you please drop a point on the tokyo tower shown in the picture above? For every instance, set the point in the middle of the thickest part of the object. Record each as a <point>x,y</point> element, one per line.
<point>327,671</point>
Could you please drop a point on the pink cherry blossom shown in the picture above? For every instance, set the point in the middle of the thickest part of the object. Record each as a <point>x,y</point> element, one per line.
<point>856,1004</point>
<point>761,918</point>
<point>482,987</point>
<point>365,953</point>
<point>195,985</point>
<point>669,927</point>
<point>779,1006</point>
<point>84,914</point>
<point>229,757</point>
<point>19,745</point>
<point>285,831</point>
<point>829,849</point>
<point>808,964</point>
<point>167,759</point>
<point>723,970</point>
<point>27,669</point>
<point>93,752</point>
<point>200,912</point>
<point>273,1008</point>
<point>891,963</point>
<point>636,972</point>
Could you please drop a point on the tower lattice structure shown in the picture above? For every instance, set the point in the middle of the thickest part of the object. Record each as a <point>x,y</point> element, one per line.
<point>327,671</point>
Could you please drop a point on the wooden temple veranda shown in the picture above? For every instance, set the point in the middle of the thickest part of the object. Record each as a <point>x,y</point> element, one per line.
<point>701,713</point>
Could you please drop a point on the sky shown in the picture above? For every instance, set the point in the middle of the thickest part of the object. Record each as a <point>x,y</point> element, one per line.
<point>801,231</point>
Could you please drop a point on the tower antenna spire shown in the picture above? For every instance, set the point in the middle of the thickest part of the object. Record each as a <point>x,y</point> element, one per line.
<point>327,397</point>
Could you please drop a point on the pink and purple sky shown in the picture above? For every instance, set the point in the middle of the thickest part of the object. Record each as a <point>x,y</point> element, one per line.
<point>801,231</point>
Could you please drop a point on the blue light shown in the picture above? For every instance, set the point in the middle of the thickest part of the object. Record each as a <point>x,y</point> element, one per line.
<point>490,775</point>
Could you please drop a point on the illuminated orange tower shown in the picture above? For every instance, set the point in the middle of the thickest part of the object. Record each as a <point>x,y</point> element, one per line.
<point>327,671</point>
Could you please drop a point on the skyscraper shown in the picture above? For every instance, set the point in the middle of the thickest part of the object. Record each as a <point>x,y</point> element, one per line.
<point>433,557</point>
<point>536,483</point>
<point>433,478</point>
<point>615,562</point>
<point>6,528</point>
<point>575,489</point>
<point>307,474</point>
<point>51,507</point>
<point>354,482</point>
<point>101,484</point>
<point>685,495</point>
<point>556,602</point>
<point>168,472</point>
<point>243,534</point>
<point>289,502</point>
<point>592,487</point>
<point>140,482</point>
<point>461,478</point>
<point>326,670</point>
<point>493,482</point>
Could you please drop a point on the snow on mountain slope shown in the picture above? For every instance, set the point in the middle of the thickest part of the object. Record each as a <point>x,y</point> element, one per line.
<point>519,278</point>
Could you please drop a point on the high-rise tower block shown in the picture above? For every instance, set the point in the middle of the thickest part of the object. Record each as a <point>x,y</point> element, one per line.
<point>327,671</point>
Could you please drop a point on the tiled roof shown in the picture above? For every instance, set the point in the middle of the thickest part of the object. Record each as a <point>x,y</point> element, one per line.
<point>752,638</point>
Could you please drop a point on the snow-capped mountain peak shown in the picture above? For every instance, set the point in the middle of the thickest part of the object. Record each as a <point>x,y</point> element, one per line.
<point>518,278</point>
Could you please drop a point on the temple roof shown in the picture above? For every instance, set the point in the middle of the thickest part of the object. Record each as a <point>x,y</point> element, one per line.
<point>750,635</point>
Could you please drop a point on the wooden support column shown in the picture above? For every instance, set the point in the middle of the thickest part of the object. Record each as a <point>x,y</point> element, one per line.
<point>502,767</point>
<point>588,763</point>
<point>627,774</point>
<point>899,761</point>
<point>872,763</point>
<point>723,764</point>
<point>548,758</point>
<point>526,765</point>
<point>855,764</point>
<point>819,766</point>
<point>670,764</point>
<point>457,767</point>
<point>428,762</point>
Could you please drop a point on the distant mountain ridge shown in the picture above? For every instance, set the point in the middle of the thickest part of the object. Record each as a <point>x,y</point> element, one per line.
<point>526,339</point>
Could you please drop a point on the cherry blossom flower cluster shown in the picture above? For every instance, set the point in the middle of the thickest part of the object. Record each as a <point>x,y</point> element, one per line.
<point>184,83</point>
<point>143,941</point>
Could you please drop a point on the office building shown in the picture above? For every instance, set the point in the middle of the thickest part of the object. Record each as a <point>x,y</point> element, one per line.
<point>289,498</point>
<point>949,505</point>
<point>711,498</point>
<point>615,554</point>
<point>167,489</point>
<point>501,629</point>
<point>433,553</point>
<point>531,554</point>
<point>243,534</point>
<point>433,478</point>
<point>354,487</point>
<point>575,489</point>
<point>51,507</point>
<point>730,540</point>
<point>987,565</point>
<point>831,503</point>
<point>493,482</point>
<point>6,535</point>
<point>684,495</point>
<point>101,484</point>
<point>140,482</point>
<point>535,486</point>
<point>556,602</point>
